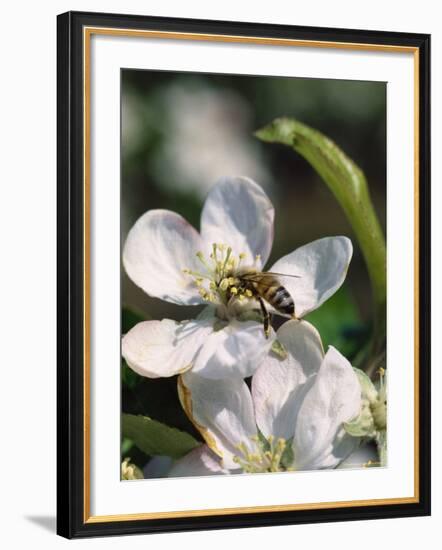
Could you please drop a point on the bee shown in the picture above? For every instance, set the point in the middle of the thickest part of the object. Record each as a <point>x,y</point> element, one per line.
<point>265,286</point>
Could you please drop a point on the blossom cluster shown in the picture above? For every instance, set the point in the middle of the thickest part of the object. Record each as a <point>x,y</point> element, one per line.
<point>263,401</point>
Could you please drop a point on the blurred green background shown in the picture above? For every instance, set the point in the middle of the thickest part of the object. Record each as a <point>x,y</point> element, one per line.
<point>181,132</point>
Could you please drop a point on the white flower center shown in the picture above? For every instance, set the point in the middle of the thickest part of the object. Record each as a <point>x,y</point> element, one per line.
<point>217,281</point>
<point>268,455</point>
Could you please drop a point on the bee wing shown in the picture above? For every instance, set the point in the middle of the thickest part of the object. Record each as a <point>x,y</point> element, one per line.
<point>282,274</point>
<point>263,278</point>
<point>264,282</point>
<point>263,274</point>
<point>267,279</point>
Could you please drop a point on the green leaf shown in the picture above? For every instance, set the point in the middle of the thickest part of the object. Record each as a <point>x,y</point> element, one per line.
<point>126,446</point>
<point>157,398</point>
<point>155,438</point>
<point>348,184</point>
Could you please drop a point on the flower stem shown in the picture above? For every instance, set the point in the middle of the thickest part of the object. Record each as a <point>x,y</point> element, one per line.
<point>349,186</point>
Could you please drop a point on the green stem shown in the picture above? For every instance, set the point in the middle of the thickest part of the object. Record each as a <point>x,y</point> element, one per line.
<point>348,184</point>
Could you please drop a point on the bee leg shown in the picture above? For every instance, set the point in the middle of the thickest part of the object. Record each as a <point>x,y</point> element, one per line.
<point>266,317</point>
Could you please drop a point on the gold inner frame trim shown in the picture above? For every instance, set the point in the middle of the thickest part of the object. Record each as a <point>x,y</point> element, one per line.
<point>87,34</point>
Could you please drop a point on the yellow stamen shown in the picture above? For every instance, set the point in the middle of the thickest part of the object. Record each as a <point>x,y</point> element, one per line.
<point>214,251</point>
<point>266,456</point>
<point>224,284</point>
<point>201,258</point>
<point>229,251</point>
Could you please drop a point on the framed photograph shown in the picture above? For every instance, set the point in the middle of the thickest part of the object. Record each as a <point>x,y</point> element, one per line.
<point>243,262</point>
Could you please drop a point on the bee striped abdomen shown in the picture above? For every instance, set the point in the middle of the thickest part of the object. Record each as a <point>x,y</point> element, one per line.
<point>280,299</point>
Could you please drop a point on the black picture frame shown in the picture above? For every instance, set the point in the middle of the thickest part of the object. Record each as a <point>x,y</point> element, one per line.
<point>71,394</point>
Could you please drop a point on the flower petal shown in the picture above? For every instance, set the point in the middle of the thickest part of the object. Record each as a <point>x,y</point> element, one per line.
<point>334,398</point>
<point>342,446</point>
<point>164,348</point>
<point>222,412</point>
<point>234,351</point>
<point>158,466</point>
<point>239,214</point>
<point>278,385</point>
<point>158,247</point>
<point>199,462</point>
<point>321,267</point>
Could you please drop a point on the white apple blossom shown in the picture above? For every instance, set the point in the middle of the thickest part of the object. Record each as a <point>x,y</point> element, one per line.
<point>209,133</point>
<point>170,260</point>
<point>291,419</point>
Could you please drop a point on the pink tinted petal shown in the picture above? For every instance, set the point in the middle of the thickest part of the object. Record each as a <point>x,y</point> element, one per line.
<point>239,214</point>
<point>157,249</point>
<point>278,384</point>
<point>320,266</point>
<point>164,348</point>
<point>234,351</point>
<point>199,462</point>
<point>221,410</point>
<point>334,398</point>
